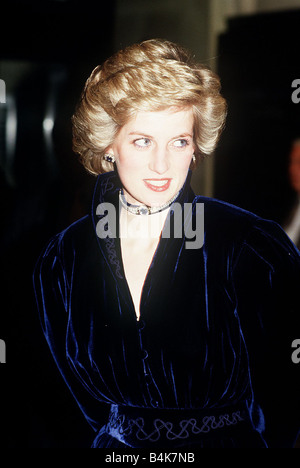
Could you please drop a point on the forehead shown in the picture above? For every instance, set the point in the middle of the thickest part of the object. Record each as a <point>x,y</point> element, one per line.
<point>167,120</point>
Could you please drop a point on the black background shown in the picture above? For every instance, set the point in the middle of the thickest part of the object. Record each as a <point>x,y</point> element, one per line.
<point>258,60</point>
<point>63,41</point>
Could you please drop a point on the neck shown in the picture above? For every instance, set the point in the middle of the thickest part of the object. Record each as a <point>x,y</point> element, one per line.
<point>142,227</point>
<point>143,210</point>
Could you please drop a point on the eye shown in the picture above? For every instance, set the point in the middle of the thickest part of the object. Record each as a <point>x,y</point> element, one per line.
<point>181,143</point>
<point>142,142</point>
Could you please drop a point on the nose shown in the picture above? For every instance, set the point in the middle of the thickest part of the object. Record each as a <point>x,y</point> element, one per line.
<point>159,162</point>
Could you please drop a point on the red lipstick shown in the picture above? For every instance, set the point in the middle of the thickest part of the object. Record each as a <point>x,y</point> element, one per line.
<point>157,185</point>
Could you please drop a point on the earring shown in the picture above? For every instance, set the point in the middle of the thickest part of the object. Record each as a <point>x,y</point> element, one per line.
<point>109,157</point>
<point>194,158</point>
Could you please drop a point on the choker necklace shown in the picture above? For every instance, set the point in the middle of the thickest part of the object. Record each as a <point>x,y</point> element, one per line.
<point>144,209</point>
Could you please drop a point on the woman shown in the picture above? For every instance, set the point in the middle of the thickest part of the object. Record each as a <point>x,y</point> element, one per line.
<point>185,345</point>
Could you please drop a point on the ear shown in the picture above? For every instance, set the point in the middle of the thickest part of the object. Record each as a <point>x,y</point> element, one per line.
<point>110,150</point>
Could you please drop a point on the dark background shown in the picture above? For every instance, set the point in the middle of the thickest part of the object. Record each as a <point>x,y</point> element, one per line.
<point>258,60</point>
<point>43,187</point>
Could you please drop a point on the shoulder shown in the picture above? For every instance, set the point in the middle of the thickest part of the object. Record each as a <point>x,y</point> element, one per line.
<point>261,237</point>
<point>77,232</point>
<point>221,211</point>
<point>64,246</point>
<point>225,223</point>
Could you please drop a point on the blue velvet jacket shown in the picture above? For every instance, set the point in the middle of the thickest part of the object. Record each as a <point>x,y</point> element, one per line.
<point>216,329</point>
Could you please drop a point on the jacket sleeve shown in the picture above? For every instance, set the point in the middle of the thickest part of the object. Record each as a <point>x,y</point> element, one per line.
<point>52,280</point>
<point>267,288</point>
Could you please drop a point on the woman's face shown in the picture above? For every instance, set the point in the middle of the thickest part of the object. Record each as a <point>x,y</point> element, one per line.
<point>153,153</point>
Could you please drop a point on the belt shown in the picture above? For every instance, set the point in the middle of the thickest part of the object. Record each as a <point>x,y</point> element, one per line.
<point>162,428</point>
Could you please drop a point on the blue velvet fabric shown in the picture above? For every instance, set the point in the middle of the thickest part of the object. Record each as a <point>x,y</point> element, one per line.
<point>216,327</point>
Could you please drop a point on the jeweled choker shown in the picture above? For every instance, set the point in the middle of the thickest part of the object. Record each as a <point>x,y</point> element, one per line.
<point>144,209</point>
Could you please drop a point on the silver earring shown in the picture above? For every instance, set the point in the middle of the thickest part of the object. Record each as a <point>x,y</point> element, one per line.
<point>194,158</point>
<point>109,157</point>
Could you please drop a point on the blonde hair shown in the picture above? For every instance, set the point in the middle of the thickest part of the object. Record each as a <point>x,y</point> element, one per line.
<point>150,76</point>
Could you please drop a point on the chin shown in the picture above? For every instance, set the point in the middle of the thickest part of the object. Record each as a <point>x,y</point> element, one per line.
<point>158,199</point>
<point>150,198</point>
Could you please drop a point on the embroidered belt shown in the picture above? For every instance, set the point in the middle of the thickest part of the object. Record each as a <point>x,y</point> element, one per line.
<point>163,428</point>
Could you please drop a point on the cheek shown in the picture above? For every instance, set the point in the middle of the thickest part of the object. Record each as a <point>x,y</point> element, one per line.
<point>128,167</point>
<point>125,160</point>
<point>185,162</point>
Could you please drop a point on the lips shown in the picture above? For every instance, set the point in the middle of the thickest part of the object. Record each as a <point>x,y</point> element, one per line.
<point>157,185</point>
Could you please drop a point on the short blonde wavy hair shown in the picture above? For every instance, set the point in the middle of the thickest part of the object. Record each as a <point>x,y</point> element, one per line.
<point>150,76</point>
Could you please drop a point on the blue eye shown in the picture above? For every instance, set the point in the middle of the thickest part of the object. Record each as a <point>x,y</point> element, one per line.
<point>142,142</point>
<point>181,143</point>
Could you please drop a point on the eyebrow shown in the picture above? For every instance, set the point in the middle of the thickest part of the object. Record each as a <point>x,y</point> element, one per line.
<point>182,135</point>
